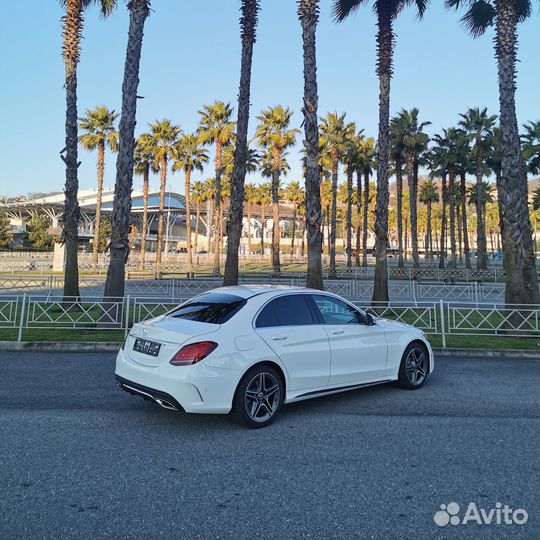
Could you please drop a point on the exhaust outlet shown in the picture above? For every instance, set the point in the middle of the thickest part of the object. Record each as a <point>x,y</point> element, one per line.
<point>165,404</point>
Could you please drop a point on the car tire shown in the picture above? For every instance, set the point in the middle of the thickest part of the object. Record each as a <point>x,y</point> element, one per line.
<point>414,367</point>
<point>256,406</point>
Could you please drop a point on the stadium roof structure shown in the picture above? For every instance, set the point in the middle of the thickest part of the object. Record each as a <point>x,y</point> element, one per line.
<point>53,205</point>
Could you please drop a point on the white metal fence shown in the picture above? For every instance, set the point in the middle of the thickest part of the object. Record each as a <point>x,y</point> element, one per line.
<point>173,288</point>
<point>22,314</point>
<point>44,266</point>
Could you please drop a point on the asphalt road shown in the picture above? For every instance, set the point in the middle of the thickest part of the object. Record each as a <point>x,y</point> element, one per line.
<point>82,459</point>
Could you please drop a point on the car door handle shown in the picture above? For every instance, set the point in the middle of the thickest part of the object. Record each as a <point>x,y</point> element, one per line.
<point>278,338</point>
<point>336,332</point>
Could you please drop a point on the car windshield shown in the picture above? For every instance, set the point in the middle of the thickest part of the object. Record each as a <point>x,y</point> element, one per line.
<point>214,308</point>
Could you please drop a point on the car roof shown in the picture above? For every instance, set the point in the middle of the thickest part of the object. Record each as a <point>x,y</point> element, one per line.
<point>248,291</point>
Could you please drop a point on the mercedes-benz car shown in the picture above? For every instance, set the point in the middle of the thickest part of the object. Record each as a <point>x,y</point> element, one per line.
<point>249,349</point>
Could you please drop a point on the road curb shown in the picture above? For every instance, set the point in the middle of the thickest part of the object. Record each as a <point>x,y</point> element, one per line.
<point>486,353</point>
<point>43,346</point>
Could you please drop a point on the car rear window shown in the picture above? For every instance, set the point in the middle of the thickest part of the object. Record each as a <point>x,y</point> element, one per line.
<point>214,308</point>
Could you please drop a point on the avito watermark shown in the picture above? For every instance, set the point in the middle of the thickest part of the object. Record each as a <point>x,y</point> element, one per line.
<point>498,515</point>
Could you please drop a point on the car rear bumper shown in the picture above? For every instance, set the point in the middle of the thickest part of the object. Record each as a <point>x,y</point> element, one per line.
<point>193,389</point>
<point>157,396</point>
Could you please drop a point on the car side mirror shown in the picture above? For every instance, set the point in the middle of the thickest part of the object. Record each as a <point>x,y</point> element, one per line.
<point>370,321</point>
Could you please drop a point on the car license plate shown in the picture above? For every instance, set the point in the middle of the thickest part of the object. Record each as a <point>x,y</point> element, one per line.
<point>146,347</point>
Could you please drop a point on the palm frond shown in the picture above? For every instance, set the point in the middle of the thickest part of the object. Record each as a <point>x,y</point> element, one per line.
<point>479,17</point>
<point>343,8</point>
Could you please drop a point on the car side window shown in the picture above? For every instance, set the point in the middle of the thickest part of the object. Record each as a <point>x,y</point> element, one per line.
<point>289,310</point>
<point>334,311</point>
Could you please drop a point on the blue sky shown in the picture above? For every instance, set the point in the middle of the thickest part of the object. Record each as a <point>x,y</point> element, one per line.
<point>191,57</point>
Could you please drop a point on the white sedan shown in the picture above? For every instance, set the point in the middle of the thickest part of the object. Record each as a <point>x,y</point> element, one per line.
<point>249,349</point>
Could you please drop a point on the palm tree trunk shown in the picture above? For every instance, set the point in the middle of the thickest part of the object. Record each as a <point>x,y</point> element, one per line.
<point>499,204</point>
<point>406,236</point>
<point>358,216</point>
<point>481,252</point>
<point>218,228</point>
<point>433,246</point>
<point>429,238</point>
<point>466,247</point>
<point>73,25</point>
<point>384,69</point>
<point>413,208</point>
<point>197,218</point>
<point>120,220</point>
<point>163,187</point>
<point>302,243</point>
<point>365,220</point>
<point>517,234</point>
<point>328,231</point>
<point>459,229</point>
<point>399,196</point>
<point>333,217</point>
<point>209,222</point>
<point>323,221</point>
<point>295,217</point>
<point>146,182</point>
<point>262,229</point>
<point>249,211</point>
<point>442,254</point>
<point>308,12</point>
<point>451,186</point>
<point>97,222</point>
<point>349,216</point>
<point>276,265</point>
<point>248,25</point>
<point>188,222</point>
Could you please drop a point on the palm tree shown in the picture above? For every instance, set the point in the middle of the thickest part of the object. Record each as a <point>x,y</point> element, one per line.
<point>486,192</point>
<point>429,196</point>
<point>308,13</point>
<point>367,164</point>
<point>198,196</point>
<point>250,194</point>
<point>536,198</point>
<point>248,26</point>
<point>531,146</point>
<point>215,127</point>
<point>415,142</point>
<point>463,164</point>
<point>326,203</point>
<point>295,195</point>
<point>189,156</point>
<point>144,162</point>
<point>478,125</point>
<point>397,153</point>
<point>121,214</point>
<point>165,136</point>
<point>386,11</point>
<point>351,161</point>
<point>439,168</point>
<point>335,137</point>
<point>494,163</point>
<point>264,197</point>
<point>519,258</point>
<point>210,198</point>
<point>273,134</point>
<point>99,133</point>
<point>72,34</point>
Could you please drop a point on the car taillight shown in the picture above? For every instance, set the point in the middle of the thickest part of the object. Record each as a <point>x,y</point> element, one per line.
<point>193,353</point>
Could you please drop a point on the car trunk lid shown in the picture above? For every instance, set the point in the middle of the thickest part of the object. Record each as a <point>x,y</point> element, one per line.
<point>167,333</point>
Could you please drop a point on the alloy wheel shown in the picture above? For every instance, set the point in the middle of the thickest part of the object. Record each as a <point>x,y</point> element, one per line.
<point>262,397</point>
<point>416,366</point>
